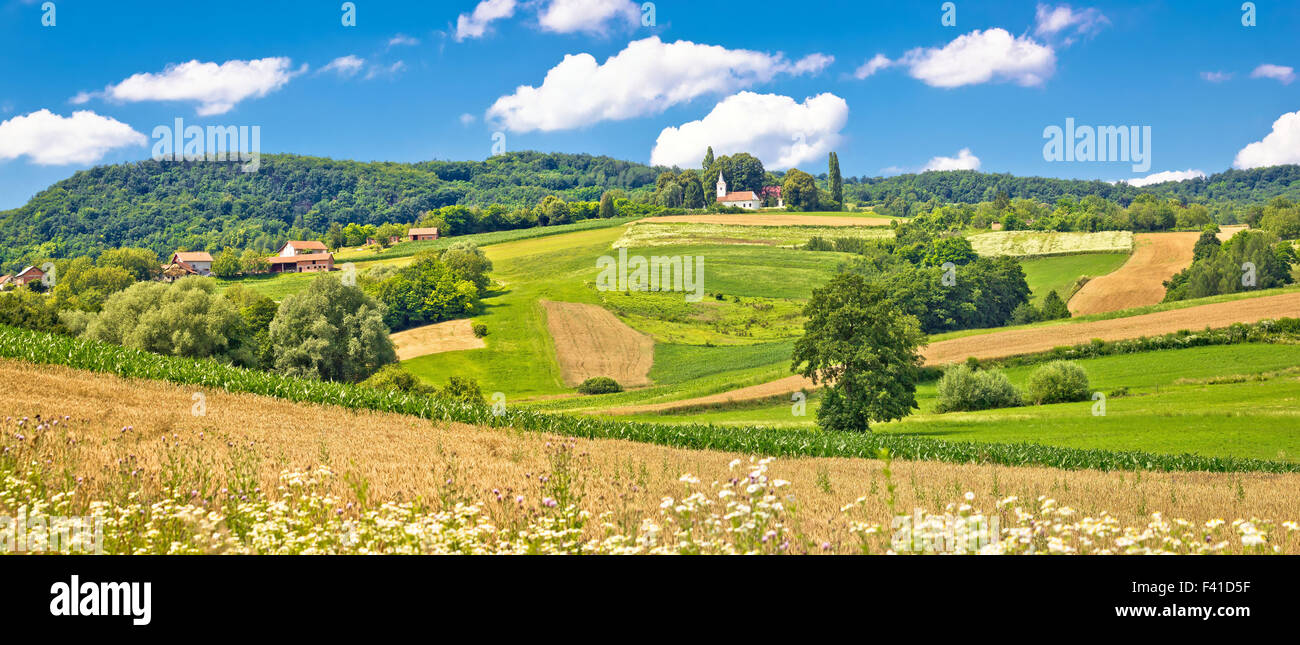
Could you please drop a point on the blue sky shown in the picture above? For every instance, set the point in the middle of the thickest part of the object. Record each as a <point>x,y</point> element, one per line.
<point>429,80</point>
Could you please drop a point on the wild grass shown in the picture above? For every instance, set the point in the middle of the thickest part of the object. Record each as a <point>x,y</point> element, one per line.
<point>1060,273</point>
<point>239,479</point>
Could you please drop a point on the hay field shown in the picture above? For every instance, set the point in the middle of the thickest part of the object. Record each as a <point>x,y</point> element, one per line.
<point>591,341</point>
<point>1038,243</point>
<point>450,336</point>
<point>403,458</point>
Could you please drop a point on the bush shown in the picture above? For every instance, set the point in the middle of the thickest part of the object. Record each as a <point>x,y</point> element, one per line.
<point>1058,382</point>
<point>965,388</point>
<point>480,329</point>
<point>462,389</point>
<point>600,385</point>
<point>393,377</point>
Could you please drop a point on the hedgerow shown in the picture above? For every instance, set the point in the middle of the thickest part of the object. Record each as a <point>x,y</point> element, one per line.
<point>53,349</point>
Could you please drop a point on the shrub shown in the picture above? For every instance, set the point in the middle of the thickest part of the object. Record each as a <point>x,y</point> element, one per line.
<point>462,389</point>
<point>393,377</point>
<point>480,329</point>
<point>600,385</point>
<point>1058,382</point>
<point>965,388</point>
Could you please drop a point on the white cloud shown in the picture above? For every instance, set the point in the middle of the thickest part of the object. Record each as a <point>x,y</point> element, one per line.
<point>216,88</point>
<point>49,139</point>
<point>963,161</point>
<point>1278,72</point>
<point>1051,21</point>
<point>345,65</point>
<point>474,25</point>
<point>1281,146</point>
<point>1161,177</point>
<point>1216,77</point>
<point>402,39</point>
<point>877,63</point>
<point>467,118</point>
<point>647,77</point>
<point>774,128</point>
<point>980,57</point>
<point>589,16</point>
<point>390,70</point>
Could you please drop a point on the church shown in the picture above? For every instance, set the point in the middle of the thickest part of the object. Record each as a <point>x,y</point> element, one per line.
<point>745,199</point>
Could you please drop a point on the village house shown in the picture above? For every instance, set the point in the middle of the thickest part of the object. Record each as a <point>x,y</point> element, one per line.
<point>192,262</point>
<point>417,234</point>
<point>30,274</point>
<point>745,199</point>
<point>302,256</point>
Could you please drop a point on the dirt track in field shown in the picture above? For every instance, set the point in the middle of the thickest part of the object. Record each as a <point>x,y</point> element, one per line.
<point>450,336</point>
<point>1140,282</point>
<point>770,220</point>
<point>590,341</point>
<point>1027,341</point>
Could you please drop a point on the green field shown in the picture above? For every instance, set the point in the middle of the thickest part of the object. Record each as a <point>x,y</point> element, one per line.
<point>647,234</point>
<point>1059,273</point>
<point>1170,407</point>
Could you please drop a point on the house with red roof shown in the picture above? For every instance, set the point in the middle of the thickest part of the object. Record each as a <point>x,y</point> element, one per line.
<point>302,256</point>
<point>417,234</point>
<point>193,262</point>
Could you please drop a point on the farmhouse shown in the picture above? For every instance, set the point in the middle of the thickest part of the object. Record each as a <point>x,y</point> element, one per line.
<point>30,274</point>
<point>745,199</point>
<point>417,234</point>
<point>193,262</point>
<point>302,263</point>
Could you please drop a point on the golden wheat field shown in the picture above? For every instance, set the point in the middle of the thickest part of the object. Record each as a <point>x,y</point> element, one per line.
<point>162,432</point>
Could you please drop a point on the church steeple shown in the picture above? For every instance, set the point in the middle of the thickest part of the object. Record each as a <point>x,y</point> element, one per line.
<point>722,185</point>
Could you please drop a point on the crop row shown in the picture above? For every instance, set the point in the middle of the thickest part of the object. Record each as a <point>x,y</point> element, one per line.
<point>54,349</point>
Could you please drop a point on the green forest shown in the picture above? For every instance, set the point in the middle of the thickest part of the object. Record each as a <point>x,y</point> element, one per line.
<point>165,206</point>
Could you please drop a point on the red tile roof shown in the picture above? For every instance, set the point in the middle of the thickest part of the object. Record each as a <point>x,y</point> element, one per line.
<point>192,256</point>
<point>305,245</point>
<point>422,231</point>
<point>741,196</point>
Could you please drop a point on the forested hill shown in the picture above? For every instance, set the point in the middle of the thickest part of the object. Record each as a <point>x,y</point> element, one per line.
<point>968,186</point>
<point>209,205</point>
<point>165,205</point>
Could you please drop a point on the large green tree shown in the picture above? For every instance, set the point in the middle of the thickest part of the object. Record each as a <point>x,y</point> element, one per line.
<point>188,318</point>
<point>800,190</point>
<point>864,349</point>
<point>330,331</point>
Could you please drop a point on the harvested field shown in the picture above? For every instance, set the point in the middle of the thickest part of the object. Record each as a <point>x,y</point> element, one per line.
<point>1013,342</point>
<point>1039,243</point>
<point>771,220</point>
<point>1140,282</point>
<point>647,233</point>
<point>591,341</point>
<point>405,458</point>
<point>450,336</point>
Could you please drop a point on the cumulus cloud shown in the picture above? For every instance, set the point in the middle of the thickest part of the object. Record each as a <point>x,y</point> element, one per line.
<point>589,16</point>
<point>50,139</point>
<point>779,131</point>
<point>877,63</point>
<point>402,39</point>
<point>963,161</point>
<point>1277,72</point>
<point>217,88</point>
<point>344,65</point>
<point>647,77</point>
<point>1062,19</point>
<point>1216,77</point>
<point>475,24</point>
<point>1161,177</point>
<point>980,57</point>
<point>1281,146</point>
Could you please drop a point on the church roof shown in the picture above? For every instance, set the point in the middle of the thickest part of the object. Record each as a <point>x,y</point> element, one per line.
<point>740,196</point>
